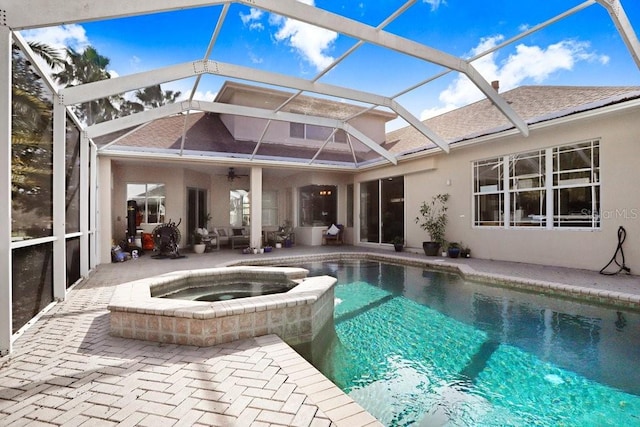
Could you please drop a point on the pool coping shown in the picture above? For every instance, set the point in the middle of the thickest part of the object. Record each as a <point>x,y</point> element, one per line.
<point>337,405</point>
<point>558,289</point>
<point>297,315</point>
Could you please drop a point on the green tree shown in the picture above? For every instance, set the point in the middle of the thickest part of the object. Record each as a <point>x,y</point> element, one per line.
<point>29,107</point>
<point>31,142</point>
<point>154,96</point>
<point>86,67</point>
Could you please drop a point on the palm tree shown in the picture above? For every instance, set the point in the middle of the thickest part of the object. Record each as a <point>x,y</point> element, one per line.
<point>30,110</point>
<point>154,96</point>
<point>31,139</point>
<point>86,67</point>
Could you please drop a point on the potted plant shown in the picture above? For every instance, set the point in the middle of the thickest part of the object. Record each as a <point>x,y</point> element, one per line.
<point>284,233</point>
<point>398,243</point>
<point>454,250</point>
<point>433,219</point>
<point>465,251</point>
<point>444,248</point>
<point>198,236</point>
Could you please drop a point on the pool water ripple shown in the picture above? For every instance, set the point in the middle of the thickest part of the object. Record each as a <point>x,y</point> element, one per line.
<point>416,347</point>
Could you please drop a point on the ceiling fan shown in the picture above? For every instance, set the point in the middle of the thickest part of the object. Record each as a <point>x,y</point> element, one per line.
<point>231,175</point>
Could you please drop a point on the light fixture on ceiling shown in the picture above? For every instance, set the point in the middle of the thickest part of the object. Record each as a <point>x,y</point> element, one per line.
<point>231,175</point>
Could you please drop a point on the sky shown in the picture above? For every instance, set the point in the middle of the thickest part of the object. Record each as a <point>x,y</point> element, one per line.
<point>583,49</point>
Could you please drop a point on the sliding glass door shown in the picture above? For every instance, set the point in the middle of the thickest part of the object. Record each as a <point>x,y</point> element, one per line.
<point>382,210</point>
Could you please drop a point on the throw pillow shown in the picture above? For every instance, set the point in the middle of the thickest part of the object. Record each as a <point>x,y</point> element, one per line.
<point>333,230</point>
<point>237,231</point>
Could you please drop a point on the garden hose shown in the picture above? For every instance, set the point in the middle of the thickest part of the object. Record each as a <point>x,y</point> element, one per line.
<point>622,235</point>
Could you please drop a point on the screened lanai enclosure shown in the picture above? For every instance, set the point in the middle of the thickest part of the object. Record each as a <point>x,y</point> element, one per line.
<point>57,125</point>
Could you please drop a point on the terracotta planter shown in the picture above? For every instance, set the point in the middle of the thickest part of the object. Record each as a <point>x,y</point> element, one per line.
<point>199,248</point>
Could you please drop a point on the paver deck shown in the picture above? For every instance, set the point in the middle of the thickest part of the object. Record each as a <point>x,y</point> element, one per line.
<point>67,370</point>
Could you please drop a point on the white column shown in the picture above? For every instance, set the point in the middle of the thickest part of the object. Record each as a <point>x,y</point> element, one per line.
<point>84,205</point>
<point>256,207</point>
<point>59,211</point>
<point>93,203</point>
<point>104,228</point>
<point>357,188</point>
<point>5,191</point>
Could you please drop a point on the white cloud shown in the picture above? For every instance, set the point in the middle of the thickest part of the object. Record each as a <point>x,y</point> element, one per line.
<point>528,63</point>
<point>434,3</point>
<point>310,42</point>
<point>255,59</point>
<point>253,15</point>
<point>208,96</point>
<point>61,37</point>
<point>252,19</point>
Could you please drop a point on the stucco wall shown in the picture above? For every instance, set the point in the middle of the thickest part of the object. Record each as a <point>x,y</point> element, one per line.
<point>589,249</point>
<point>425,177</point>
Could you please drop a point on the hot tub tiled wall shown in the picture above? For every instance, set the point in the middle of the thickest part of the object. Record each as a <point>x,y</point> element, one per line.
<point>297,316</point>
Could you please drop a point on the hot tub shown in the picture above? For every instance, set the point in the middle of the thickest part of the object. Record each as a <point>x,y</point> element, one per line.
<point>297,315</point>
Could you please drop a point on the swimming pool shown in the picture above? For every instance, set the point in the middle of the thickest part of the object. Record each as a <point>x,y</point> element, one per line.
<point>421,347</point>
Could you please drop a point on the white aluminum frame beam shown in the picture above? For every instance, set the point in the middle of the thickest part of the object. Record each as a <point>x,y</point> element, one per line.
<point>59,211</point>
<point>105,128</point>
<point>54,12</point>
<point>93,201</point>
<point>621,21</point>
<point>85,186</point>
<point>22,14</point>
<point>100,89</point>
<point>6,267</point>
<point>321,18</point>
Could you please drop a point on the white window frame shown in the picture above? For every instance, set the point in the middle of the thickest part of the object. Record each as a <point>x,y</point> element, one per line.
<point>158,201</point>
<point>339,136</point>
<point>548,174</point>
<point>269,208</point>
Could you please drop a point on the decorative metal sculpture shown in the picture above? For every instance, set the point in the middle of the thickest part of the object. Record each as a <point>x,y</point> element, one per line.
<point>166,238</point>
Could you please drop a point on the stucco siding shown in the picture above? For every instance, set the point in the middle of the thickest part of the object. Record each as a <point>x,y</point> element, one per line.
<point>579,248</point>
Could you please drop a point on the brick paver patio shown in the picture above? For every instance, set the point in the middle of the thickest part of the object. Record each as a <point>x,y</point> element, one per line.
<point>66,369</point>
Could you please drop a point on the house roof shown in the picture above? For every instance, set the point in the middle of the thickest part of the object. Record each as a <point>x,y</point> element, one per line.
<point>397,47</point>
<point>302,104</point>
<point>206,133</point>
<point>535,104</point>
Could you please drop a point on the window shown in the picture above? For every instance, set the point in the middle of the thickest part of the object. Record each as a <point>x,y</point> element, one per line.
<point>318,205</point>
<point>296,130</point>
<point>527,194</point>
<point>239,214</point>
<point>488,192</point>
<point>269,208</point>
<point>349,205</point>
<point>150,199</point>
<point>554,187</point>
<point>316,133</point>
<point>576,185</point>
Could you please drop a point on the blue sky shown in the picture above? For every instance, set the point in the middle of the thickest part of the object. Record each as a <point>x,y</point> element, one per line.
<point>583,49</point>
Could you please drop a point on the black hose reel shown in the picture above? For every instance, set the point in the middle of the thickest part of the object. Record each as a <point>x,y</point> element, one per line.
<point>622,235</point>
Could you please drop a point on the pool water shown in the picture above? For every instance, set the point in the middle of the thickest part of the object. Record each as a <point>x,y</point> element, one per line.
<point>227,291</point>
<point>419,347</point>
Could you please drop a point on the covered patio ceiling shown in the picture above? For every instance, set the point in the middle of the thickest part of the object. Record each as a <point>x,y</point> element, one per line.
<point>355,35</point>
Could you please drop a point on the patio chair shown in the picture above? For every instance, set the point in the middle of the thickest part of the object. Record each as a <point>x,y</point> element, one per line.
<point>333,235</point>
